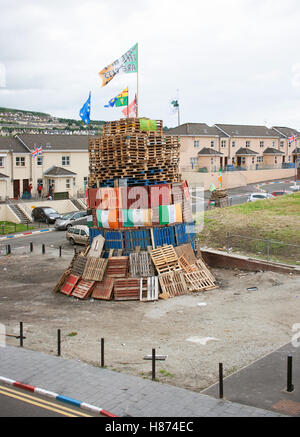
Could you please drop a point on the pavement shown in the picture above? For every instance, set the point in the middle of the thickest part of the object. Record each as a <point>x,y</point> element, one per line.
<point>263,384</point>
<point>120,394</point>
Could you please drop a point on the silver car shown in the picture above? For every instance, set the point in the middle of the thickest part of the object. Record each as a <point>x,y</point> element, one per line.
<point>71,219</point>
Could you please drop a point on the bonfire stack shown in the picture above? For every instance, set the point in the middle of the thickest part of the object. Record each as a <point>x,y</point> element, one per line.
<point>220,197</point>
<point>142,235</point>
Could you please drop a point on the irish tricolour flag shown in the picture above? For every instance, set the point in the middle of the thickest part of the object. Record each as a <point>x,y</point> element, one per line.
<point>169,214</point>
<point>136,217</point>
<point>107,218</point>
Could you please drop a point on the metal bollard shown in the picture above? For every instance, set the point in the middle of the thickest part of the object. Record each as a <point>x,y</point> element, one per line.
<point>21,334</point>
<point>43,249</point>
<point>102,352</point>
<point>58,342</point>
<point>290,386</point>
<point>31,247</point>
<point>153,364</point>
<point>221,392</point>
<point>8,249</point>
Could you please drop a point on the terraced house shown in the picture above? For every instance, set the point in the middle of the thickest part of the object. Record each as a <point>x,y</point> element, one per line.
<point>62,165</point>
<point>236,147</point>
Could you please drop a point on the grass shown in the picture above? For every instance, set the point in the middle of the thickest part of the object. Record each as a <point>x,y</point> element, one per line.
<point>10,228</point>
<point>277,220</point>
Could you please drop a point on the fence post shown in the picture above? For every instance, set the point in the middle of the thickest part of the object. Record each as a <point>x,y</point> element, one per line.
<point>221,391</point>
<point>153,364</point>
<point>268,250</point>
<point>227,242</point>
<point>102,352</point>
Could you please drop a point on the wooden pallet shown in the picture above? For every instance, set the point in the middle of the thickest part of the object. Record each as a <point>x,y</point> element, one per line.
<point>187,251</point>
<point>173,283</point>
<point>140,265</point>
<point>61,280</point>
<point>83,289</point>
<point>94,269</point>
<point>79,265</point>
<point>69,284</point>
<point>117,267</point>
<point>127,289</point>
<point>104,289</point>
<point>165,259</point>
<point>97,244</point>
<point>199,281</point>
<point>202,266</point>
<point>186,266</point>
<point>149,289</point>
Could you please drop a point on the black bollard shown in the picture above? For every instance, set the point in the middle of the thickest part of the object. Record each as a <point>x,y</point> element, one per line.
<point>31,247</point>
<point>221,392</point>
<point>60,251</point>
<point>290,386</point>
<point>43,249</point>
<point>153,364</point>
<point>102,352</point>
<point>8,249</point>
<point>58,342</point>
<point>21,334</point>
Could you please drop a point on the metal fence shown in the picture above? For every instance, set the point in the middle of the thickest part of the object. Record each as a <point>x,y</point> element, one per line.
<point>268,249</point>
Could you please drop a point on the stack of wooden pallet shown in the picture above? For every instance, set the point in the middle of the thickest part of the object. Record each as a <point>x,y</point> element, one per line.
<point>220,197</point>
<point>126,152</point>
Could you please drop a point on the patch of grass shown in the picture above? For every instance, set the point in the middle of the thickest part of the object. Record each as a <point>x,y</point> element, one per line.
<point>10,228</point>
<point>72,334</point>
<point>165,373</point>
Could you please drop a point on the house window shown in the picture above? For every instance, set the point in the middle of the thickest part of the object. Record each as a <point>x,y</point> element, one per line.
<point>20,161</point>
<point>247,143</point>
<point>212,144</point>
<point>68,185</point>
<point>275,159</point>
<point>65,160</point>
<point>281,144</point>
<point>289,159</point>
<point>196,143</point>
<point>223,143</point>
<point>212,161</point>
<point>39,160</point>
<point>1,161</point>
<point>243,160</point>
<point>273,144</point>
<point>262,144</point>
<point>233,143</point>
<point>253,160</point>
<point>260,159</point>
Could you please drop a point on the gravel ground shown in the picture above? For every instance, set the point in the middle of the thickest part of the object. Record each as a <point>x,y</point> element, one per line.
<point>231,324</point>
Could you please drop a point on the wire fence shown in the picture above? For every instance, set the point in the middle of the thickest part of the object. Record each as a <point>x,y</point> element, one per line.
<point>268,249</point>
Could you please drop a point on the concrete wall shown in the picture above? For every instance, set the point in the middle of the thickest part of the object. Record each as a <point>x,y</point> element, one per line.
<point>237,178</point>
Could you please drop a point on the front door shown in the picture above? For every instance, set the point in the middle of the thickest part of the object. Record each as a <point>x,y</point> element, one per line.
<point>16,188</point>
<point>25,185</point>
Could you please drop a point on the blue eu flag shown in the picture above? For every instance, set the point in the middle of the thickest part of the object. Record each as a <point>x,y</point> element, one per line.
<point>85,111</point>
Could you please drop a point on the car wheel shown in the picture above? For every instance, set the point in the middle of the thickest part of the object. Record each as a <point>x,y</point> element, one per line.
<point>72,241</point>
<point>68,227</point>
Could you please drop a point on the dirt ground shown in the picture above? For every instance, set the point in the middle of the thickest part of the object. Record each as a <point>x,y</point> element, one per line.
<point>231,325</point>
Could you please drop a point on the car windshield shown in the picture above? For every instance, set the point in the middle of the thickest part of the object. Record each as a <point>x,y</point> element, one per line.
<point>68,216</point>
<point>50,211</point>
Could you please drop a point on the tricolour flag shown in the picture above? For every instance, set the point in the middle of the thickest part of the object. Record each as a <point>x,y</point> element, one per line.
<point>107,218</point>
<point>169,214</point>
<point>126,64</point>
<point>130,111</point>
<point>120,100</point>
<point>136,217</point>
<point>220,179</point>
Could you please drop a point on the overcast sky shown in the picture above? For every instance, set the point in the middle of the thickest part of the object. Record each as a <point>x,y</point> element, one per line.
<point>233,61</point>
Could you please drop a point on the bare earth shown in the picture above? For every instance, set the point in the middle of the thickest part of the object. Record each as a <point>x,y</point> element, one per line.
<point>236,326</point>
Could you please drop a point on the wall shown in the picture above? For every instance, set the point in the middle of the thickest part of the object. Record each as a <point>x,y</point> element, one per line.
<point>237,178</point>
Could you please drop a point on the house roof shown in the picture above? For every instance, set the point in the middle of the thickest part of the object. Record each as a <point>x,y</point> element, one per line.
<point>296,151</point>
<point>272,151</point>
<point>195,129</point>
<point>246,151</point>
<point>210,152</point>
<point>3,176</point>
<point>58,171</point>
<point>12,145</point>
<point>286,132</point>
<point>56,142</point>
<point>247,131</point>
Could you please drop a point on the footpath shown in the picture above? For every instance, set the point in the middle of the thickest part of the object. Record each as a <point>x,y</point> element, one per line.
<point>119,394</point>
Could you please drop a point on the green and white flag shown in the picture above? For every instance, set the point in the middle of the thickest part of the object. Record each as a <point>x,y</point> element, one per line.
<point>169,214</point>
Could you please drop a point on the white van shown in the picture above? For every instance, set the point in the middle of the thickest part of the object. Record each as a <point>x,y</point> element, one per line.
<point>78,234</point>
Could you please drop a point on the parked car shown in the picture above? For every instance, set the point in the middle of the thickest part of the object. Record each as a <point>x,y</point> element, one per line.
<point>71,219</point>
<point>259,196</point>
<point>280,193</point>
<point>45,214</point>
<point>295,187</point>
<point>78,234</point>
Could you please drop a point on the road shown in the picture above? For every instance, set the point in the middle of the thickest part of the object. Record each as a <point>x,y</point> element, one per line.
<point>15,402</point>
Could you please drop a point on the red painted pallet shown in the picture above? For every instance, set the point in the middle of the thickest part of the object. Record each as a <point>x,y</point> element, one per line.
<point>69,284</point>
<point>83,289</point>
<point>103,290</point>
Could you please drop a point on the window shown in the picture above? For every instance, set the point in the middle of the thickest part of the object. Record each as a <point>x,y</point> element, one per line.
<point>194,161</point>
<point>275,159</point>
<point>243,160</point>
<point>262,144</point>
<point>223,143</point>
<point>196,143</point>
<point>39,160</point>
<point>212,144</point>
<point>76,231</point>
<point>68,185</point>
<point>260,159</point>
<point>20,161</point>
<point>65,160</point>
<point>281,144</point>
<point>253,160</point>
<point>289,159</point>
<point>1,161</point>
<point>273,144</point>
<point>83,233</point>
<point>247,143</point>
<point>233,143</point>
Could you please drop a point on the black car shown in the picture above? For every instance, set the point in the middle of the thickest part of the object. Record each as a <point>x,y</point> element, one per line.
<point>45,214</point>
